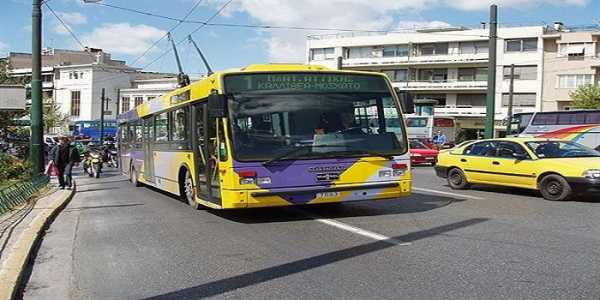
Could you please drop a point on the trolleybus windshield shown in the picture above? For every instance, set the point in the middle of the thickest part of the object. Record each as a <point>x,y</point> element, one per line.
<point>324,114</point>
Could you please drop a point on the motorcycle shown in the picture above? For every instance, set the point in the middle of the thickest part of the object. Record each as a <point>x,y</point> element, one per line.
<point>92,163</point>
<point>111,155</point>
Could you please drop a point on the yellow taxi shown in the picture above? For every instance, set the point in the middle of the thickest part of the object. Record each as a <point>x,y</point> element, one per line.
<point>558,169</point>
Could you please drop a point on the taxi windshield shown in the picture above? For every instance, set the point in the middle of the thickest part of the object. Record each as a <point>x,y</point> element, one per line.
<point>560,149</point>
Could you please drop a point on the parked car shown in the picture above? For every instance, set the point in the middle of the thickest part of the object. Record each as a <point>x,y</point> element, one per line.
<point>558,169</point>
<point>421,153</point>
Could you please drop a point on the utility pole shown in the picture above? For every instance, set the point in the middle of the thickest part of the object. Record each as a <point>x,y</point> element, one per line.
<point>510,100</point>
<point>102,117</point>
<point>36,153</point>
<point>491,90</point>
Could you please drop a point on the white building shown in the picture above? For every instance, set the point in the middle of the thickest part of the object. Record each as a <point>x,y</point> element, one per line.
<point>448,65</point>
<point>78,89</point>
<point>145,90</point>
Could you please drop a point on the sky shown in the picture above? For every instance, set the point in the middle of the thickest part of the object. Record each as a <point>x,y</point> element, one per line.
<point>128,36</point>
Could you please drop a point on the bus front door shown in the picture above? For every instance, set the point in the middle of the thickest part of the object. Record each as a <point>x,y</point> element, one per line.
<point>205,153</point>
<point>148,151</point>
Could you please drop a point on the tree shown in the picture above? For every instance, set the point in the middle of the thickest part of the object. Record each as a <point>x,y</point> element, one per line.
<point>52,116</point>
<point>586,97</point>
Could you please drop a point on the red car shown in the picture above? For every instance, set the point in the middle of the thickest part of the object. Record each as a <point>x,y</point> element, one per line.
<point>422,154</point>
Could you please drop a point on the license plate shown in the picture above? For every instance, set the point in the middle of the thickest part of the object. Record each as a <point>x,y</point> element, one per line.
<point>328,194</point>
<point>429,158</point>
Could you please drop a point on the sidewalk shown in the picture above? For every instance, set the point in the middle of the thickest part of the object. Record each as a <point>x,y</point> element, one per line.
<point>19,231</point>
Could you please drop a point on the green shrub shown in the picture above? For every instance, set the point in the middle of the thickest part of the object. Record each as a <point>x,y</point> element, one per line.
<point>11,168</point>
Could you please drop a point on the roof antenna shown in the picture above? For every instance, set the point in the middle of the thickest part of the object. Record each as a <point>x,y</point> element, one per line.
<point>209,71</point>
<point>182,78</point>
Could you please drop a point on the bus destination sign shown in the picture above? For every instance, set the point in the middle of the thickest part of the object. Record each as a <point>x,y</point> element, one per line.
<point>309,82</point>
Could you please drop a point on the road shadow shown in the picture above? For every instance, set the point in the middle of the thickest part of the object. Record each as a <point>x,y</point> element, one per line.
<point>584,198</point>
<point>225,285</point>
<point>413,204</point>
<point>108,188</point>
<point>101,182</point>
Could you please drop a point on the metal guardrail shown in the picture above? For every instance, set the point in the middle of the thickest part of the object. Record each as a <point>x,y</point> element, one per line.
<point>17,193</point>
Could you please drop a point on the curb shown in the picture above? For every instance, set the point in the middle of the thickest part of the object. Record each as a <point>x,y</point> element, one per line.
<point>12,271</point>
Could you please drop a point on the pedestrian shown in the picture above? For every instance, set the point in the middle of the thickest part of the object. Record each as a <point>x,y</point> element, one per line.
<point>439,139</point>
<point>64,156</point>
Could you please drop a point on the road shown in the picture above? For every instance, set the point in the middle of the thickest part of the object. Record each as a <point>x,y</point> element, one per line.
<point>115,241</point>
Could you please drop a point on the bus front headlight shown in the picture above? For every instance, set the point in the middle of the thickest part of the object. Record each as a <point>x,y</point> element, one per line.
<point>592,174</point>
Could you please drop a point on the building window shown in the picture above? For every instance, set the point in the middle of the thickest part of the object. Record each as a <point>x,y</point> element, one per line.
<point>472,74</point>
<point>521,72</point>
<point>474,47</point>
<point>574,81</point>
<point>397,75</point>
<point>150,98</point>
<point>138,101</point>
<point>521,45</point>
<point>440,98</point>
<point>436,75</point>
<point>434,49</point>
<point>75,103</point>
<point>125,104</point>
<point>576,50</point>
<point>520,99</point>
<point>395,51</point>
<point>322,54</point>
<point>470,100</point>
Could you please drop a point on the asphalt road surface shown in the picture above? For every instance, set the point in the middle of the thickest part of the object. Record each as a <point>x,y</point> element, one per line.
<point>115,241</point>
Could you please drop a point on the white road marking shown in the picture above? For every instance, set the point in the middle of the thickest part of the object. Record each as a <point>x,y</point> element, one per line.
<point>362,232</point>
<point>446,193</point>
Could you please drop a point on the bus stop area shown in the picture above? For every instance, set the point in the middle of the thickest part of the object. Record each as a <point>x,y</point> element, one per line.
<point>486,242</point>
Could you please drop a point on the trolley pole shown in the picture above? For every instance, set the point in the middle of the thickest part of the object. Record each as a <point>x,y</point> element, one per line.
<point>102,117</point>
<point>510,100</point>
<point>36,153</point>
<point>491,90</point>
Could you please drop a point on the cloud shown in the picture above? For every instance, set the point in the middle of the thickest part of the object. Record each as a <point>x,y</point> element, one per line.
<point>123,38</point>
<point>289,46</point>
<point>469,5</point>
<point>71,19</point>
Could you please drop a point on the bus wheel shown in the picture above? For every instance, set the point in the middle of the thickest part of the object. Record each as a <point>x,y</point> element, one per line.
<point>187,191</point>
<point>133,177</point>
<point>555,188</point>
<point>457,179</point>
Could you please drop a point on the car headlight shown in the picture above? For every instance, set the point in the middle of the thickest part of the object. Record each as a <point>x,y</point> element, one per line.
<point>592,174</point>
<point>416,154</point>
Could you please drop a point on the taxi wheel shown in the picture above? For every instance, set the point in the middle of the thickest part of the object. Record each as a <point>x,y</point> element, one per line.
<point>555,188</point>
<point>457,179</point>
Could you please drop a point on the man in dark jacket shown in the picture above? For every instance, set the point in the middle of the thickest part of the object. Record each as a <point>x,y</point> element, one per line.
<point>64,155</point>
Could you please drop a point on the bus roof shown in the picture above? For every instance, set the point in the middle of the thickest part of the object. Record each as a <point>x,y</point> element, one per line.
<point>202,88</point>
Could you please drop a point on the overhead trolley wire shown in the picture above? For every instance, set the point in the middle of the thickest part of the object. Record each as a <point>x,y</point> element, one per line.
<point>191,33</point>
<point>64,24</point>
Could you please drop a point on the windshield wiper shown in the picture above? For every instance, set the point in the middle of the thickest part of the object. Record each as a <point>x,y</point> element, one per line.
<point>361,151</point>
<point>294,152</point>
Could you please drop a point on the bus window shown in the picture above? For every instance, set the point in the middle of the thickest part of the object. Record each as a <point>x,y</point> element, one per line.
<point>416,122</point>
<point>592,118</point>
<point>161,127</point>
<point>571,118</point>
<point>545,119</point>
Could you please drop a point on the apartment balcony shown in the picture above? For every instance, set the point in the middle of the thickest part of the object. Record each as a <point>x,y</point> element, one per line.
<point>451,84</point>
<point>460,111</point>
<point>412,60</point>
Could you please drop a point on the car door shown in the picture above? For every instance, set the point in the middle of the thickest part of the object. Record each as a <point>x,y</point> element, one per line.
<point>514,166</point>
<point>476,161</point>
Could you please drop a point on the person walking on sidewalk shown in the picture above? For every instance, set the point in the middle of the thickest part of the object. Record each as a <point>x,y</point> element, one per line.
<point>64,156</point>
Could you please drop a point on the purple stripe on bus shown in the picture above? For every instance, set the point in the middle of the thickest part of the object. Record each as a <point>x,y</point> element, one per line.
<point>293,172</point>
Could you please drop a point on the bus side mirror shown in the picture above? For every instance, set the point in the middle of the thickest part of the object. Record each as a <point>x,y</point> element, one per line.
<point>216,105</point>
<point>406,101</point>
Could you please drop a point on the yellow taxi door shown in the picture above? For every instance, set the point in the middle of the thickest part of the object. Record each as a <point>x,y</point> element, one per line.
<point>476,161</point>
<point>513,166</point>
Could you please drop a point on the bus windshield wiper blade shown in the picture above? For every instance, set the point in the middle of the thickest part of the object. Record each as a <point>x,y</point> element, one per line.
<point>293,152</point>
<point>361,151</point>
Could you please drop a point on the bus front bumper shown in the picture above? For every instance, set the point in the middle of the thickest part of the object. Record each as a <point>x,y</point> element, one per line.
<point>322,194</point>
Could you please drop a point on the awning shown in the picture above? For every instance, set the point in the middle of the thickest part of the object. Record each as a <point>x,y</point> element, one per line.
<point>576,49</point>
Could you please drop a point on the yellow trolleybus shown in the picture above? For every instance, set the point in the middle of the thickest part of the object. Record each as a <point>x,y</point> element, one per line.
<point>271,135</point>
